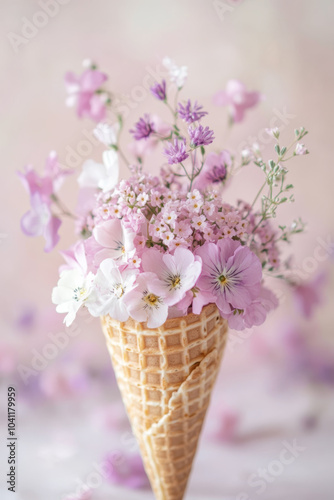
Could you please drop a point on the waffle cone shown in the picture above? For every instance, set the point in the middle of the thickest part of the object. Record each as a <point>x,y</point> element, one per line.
<point>166,376</point>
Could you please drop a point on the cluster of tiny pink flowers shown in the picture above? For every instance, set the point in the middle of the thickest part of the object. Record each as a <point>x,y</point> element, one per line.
<point>168,218</point>
<point>193,219</point>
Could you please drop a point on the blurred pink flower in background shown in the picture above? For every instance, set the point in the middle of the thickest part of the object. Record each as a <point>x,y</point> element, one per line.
<point>64,380</point>
<point>237,98</point>
<point>224,424</point>
<point>307,296</point>
<point>126,470</point>
<point>82,93</point>
<point>304,358</point>
<point>49,183</point>
<point>112,417</point>
<point>39,221</point>
<point>214,170</point>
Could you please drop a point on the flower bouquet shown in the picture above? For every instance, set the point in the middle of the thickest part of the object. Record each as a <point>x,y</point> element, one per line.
<point>165,262</point>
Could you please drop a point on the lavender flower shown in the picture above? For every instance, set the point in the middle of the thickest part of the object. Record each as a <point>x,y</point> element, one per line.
<point>200,136</point>
<point>190,113</point>
<point>159,90</point>
<point>176,152</point>
<point>143,128</point>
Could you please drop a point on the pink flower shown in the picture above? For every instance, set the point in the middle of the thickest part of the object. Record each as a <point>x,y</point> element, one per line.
<point>308,296</point>
<point>225,424</point>
<point>75,258</point>
<point>117,241</point>
<point>237,98</point>
<point>49,183</point>
<point>177,273</point>
<point>214,170</point>
<point>199,222</point>
<point>255,314</point>
<point>39,221</point>
<point>146,302</point>
<point>125,470</point>
<point>183,229</point>
<point>83,94</point>
<point>231,273</point>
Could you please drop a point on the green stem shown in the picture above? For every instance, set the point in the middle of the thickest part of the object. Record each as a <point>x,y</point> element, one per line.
<point>256,198</point>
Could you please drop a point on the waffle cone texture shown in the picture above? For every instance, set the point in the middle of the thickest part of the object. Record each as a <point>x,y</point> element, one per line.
<point>166,376</point>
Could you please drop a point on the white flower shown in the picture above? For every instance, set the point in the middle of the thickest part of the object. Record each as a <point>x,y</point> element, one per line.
<point>146,303</point>
<point>98,175</point>
<point>106,134</point>
<point>177,74</point>
<point>301,149</point>
<point>74,290</point>
<point>112,285</point>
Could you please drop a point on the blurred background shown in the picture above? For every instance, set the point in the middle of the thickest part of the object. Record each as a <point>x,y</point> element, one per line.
<point>275,388</point>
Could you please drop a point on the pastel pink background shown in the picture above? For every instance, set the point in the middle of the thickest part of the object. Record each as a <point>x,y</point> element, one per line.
<point>284,50</point>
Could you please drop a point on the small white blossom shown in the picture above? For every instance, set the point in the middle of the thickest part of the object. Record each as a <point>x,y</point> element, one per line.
<point>177,74</point>
<point>100,175</point>
<point>73,291</point>
<point>106,134</point>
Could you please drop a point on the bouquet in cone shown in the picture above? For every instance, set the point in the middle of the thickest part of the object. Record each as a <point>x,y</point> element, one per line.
<point>162,257</point>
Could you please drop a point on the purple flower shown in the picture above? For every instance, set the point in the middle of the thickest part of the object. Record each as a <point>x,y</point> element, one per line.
<point>191,113</point>
<point>83,94</point>
<point>125,470</point>
<point>143,128</point>
<point>200,136</point>
<point>175,153</point>
<point>159,90</point>
<point>231,273</point>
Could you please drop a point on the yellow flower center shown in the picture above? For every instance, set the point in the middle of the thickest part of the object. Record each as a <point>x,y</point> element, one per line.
<point>119,290</point>
<point>222,280</point>
<point>175,281</point>
<point>151,299</point>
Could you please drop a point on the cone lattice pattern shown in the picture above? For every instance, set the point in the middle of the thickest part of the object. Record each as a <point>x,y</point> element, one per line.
<point>166,377</point>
